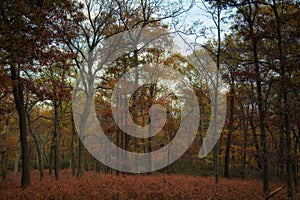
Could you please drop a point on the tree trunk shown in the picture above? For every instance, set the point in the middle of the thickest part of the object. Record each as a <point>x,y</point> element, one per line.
<point>80,165</point>
<point>245,139</point>
<point>149,148</point>
<point>18,92</point>
<point>230,127</point>
<point>118,133</point>
<point>125,137</point>
<point>135,99</point>
<point>261,115</point>
<point>51,157</point>
<point>285,106</point>
<point>245,147</point>
<point>281,151</point>
<point>3,157</point>
<point>40,164</point>
<point>72,153</point>
<point>39,154</point>
<point>17,158</point>
<point>56,141</point>
<point>254,134</point>
<point>295,167</point>
<point>215,98</point>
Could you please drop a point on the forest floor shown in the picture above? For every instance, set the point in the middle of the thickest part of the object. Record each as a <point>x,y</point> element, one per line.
<point>106,186</point>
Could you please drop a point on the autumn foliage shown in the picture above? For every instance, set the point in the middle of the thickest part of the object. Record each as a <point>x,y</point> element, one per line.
<point>106,186</point>
<point>255,45</point>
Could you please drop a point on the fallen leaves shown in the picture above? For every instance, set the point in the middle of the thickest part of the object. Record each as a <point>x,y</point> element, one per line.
<point>106,186</point>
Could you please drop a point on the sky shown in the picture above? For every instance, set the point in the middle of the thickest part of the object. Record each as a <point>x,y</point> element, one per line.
<point>198,19</point>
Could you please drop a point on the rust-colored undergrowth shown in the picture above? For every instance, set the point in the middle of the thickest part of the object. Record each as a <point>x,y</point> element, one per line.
<point>105,186</point>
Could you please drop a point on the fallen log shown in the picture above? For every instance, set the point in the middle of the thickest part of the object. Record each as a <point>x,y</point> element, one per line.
<point>271,194</point>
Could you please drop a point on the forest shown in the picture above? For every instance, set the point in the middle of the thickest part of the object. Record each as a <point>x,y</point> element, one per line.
<point>149,99</point>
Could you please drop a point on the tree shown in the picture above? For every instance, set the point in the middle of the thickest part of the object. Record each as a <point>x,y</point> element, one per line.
<point>103,20</point>
<point>230,68</point>
<point>284,91</point>
<point>281,49</point>
<point>6,111</point>
<point>261,61</point>
<point>214,9</point>
<point>31,30</point>
<point>249,11</point>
